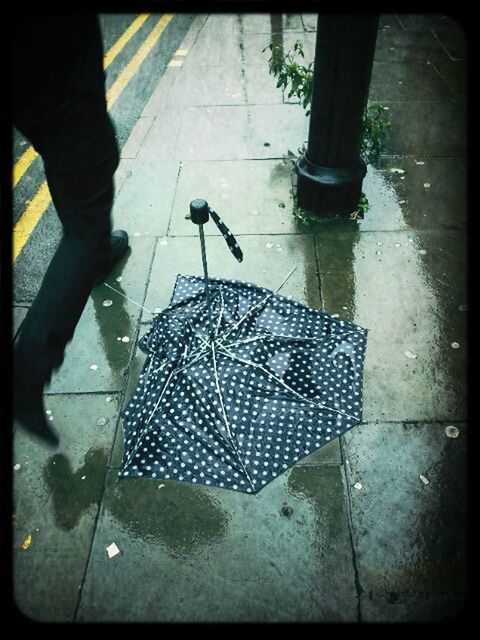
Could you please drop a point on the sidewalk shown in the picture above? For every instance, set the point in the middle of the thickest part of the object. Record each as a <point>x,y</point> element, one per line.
<point>393,550</point>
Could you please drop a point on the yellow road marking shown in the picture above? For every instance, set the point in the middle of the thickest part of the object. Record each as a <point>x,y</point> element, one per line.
<point>26,159</point>
<point>30,218</point>
<point>122,41</point>
<point>124,78</point>
<point>181,52</point>
<point>32,214</point>
<point>175,63</point>
<point>23,163</point>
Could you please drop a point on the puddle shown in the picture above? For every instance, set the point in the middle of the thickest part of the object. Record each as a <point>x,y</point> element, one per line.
<point>73,493</point>
<point>184,518</point>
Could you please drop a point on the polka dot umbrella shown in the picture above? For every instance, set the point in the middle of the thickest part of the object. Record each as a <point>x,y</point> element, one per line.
<point>240,383</point>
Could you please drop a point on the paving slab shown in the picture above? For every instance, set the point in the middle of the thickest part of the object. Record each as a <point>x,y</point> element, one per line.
<point>160,144</point>
<point>389,21</point>
<point>399,46</point>
<point>273,22</point>
<point>213,86</point>
<point>423,22</point>
<point>240,132</point>
<point>454,74</point>
<point>144,204</point>
<point>407,193</point>
<point>385,211</point>
<point>267,261</point>
<point>56,498</point>
<point>409,536</point>
<point>452,39</point>
<point>212,49</point>
<point>310,21</point>
<point>136,137</point>
<point>407,81</point>
<point>98,336</point>
<point>123,171</point>
<point>261,86</point>
<point>134,371</point>
<point>237,191</point>
<point>432,191</point>
<point>253,47</point>
<point>395,607</point>
<point>407,289</point>
<point>437,129</point>
<point>194,554</point>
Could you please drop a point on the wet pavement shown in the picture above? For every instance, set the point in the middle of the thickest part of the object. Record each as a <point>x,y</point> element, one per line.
<point>372,527</point>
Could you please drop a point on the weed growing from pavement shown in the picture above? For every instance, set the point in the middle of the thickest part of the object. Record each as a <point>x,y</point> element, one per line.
<point>297,79</point>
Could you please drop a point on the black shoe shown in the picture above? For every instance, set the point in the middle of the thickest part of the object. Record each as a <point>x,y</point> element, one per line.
<point>28,409</point>
<point>118,248</point>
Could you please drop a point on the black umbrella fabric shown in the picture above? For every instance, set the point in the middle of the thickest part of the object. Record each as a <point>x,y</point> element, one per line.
<point>236,401</point>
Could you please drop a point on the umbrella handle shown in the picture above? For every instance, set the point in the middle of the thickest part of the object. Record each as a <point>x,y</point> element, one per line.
<point>199,211</point>
<point>199,214</point>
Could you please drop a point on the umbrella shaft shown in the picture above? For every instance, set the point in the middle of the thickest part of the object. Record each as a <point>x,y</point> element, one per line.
<point>205,272</point>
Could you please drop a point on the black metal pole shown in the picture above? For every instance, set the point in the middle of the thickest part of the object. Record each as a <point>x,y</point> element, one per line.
<point>331,172</point>
<point>199,213</point>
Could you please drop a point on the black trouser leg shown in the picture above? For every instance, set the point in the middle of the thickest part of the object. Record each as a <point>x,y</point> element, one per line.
<point>80,155</point>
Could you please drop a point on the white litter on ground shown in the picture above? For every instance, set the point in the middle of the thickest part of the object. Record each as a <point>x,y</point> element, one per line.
<point>16,467</point>
<point>358,485</point>
<point>455,345</point>
<point>410,354</point>
<point>424,479</point>
<point>451,431</point>
<point>107,303</point>
<point>94,367</point>
<point>113,550</point>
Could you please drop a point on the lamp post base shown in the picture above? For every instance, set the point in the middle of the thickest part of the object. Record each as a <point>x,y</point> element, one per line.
<point>327,191</point>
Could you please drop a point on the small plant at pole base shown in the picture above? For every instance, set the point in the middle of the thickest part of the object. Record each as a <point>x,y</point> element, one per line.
<point>297,79</point>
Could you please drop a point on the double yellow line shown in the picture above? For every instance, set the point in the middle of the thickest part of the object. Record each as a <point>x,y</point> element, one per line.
<point>39,203</point>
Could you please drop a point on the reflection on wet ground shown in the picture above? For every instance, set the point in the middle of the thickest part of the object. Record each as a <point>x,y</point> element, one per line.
<point>184,519</point>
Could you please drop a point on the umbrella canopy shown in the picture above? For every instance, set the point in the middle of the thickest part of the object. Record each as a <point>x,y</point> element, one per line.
<point>240,383</point>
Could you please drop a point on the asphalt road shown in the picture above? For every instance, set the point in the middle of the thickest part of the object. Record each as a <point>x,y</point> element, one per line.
<point>33,259</point>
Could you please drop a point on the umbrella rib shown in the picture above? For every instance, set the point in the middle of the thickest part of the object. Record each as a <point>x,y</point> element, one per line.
<point>266,336</point>
<point>271,375</point>
<point>227,425</point>
<point>142,431</point>
<point>220,315</point>
<point>245,316</point>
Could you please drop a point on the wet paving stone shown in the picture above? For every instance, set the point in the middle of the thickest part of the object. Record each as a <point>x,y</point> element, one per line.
<point>216,555</point>
<point>56,497</point>
<point>96,360</point>
<point>408,536</point>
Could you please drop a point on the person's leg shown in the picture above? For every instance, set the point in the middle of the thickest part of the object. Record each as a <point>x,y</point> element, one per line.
<point>80,154</point>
